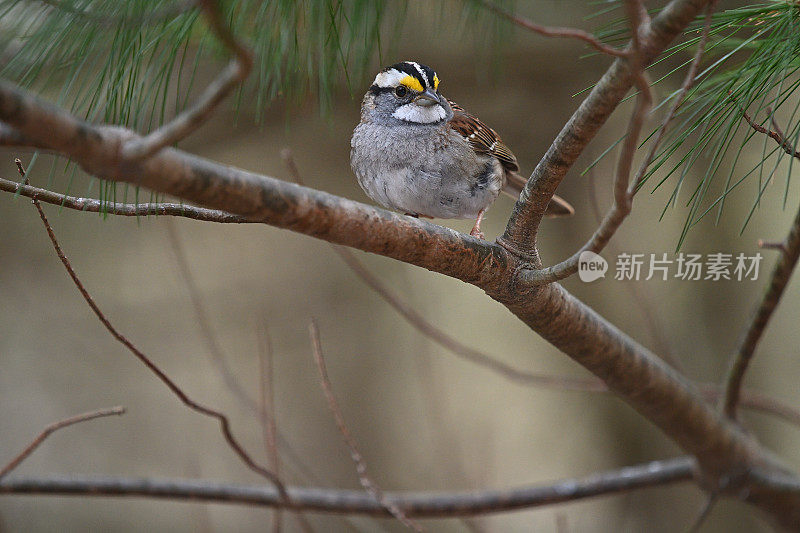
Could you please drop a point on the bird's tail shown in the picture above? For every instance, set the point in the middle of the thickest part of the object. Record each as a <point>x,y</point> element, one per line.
<point>558,207</point>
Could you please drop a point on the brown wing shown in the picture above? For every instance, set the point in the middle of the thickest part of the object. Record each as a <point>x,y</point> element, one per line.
<point>482,138</point>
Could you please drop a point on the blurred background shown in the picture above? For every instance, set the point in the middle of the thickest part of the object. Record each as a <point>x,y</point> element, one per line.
<point>423,418</point>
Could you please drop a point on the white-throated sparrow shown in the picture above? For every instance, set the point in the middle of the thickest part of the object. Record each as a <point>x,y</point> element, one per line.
<point>416,152</point>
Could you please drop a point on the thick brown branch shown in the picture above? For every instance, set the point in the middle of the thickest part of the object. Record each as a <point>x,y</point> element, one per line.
<point>750,400</point>
<point>52,428</point>
<point>418,505</point>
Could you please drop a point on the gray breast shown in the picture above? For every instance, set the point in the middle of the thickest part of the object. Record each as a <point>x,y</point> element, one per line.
<point>427,170</point>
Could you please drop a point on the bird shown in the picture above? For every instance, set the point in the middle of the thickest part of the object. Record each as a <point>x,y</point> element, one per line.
<point>416,152</point>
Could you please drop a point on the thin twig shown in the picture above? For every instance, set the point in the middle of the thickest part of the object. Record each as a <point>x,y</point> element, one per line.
<point>160,374</point>
<point>776,135</point>
<point>770,245</point>
<point>704,513</point>
<point>777,285</point>
<point>189,120</point>
<point>625,188</point>
<point>549,31</point>
<point>790,252</point>
<point>52,428</point>
<point>361,466</point>
<point>129,210</point>
<point>423,504</point>
<point>266,389</point>
<point>688,83</point>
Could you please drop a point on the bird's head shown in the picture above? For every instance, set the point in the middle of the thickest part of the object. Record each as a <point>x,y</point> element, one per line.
<point>407,92</point>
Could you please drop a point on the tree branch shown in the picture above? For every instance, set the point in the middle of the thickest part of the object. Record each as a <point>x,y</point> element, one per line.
<point>776,135</point>
<point>523,225</point>
<point>725,454</point>
<point>629,370</point>
<point>417,505</point>
<point>548,31</point>
<point>52,428</point>
<point>189,120</point>
<point>779,279</point>
<point>749,399</point>
<point>224,423</point>
<point>361,465</point>
<point>128,210</point>
<point>712,393</point>
<point>625,188</point>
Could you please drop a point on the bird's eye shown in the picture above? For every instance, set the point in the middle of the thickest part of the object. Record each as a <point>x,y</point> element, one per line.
<point>400,91</point>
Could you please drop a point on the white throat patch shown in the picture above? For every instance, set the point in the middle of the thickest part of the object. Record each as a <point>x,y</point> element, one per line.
<point>420,114</point>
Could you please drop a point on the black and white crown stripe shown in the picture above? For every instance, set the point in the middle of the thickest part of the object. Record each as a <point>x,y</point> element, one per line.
<point>391,76</point>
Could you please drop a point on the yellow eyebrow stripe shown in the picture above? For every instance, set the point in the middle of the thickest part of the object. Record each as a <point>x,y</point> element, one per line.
<point>412,83</point>
<point>435,82</point>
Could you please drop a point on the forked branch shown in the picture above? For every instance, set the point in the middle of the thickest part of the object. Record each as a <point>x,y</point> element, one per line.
<point>626,188</point>
<point>224,423</point>
<point>790,252</point>
<point>576,134</point>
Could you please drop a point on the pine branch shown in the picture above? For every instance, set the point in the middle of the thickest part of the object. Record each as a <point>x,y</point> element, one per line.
<point>725,455</point>
<point>609,91</point>
<point>189,120</point>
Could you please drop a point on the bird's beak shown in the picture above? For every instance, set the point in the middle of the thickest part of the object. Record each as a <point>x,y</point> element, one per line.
<point>428,98</point>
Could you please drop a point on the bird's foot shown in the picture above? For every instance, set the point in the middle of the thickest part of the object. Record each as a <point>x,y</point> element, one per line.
<point>478,234</point>
<point>476,229</point>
